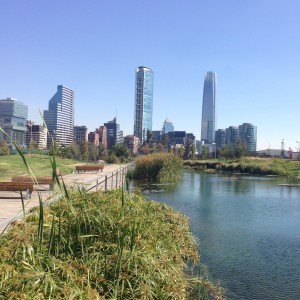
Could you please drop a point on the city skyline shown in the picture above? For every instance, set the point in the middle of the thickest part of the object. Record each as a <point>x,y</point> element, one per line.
<point>252,46</point>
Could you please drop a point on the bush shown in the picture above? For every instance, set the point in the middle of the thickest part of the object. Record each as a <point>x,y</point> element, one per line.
<point>161,166</point>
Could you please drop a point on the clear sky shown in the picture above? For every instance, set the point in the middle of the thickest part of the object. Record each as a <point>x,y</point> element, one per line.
<point>94,47</point>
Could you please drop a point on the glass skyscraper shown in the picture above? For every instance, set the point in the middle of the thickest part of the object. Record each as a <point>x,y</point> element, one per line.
<point>143,102</point>
<point>248,134</point>
<point>13,117</point>
<point>208,108</point>
<point>60,116</point>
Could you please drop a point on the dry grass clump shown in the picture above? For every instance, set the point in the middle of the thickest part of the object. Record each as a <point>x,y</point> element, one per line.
<point>158,166</point>
<point>105,245</point>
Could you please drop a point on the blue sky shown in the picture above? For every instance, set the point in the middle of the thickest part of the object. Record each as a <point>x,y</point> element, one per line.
<point>94,46</point>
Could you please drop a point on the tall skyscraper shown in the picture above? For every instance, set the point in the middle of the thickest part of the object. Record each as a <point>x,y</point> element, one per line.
<point>168,126</point>
<point>13,117</point>
<point>143,102</point>
<point>208,108</point>
<point>60,116</point>
<point>248,135</point>
<point>114,134</point>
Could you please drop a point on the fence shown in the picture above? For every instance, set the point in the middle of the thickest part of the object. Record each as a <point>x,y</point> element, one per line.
<point>114,181</point>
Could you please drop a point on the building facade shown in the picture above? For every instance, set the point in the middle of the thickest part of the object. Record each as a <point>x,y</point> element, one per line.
<point>143,102</point>
<point>103,136</point>
<point>248,135</point>
<point>60,116</point>
<point>13,118</point>
<point>36,134</point>
<point>220,139</point>
<point>80,134</point>
<point>232,135</point>
<point>132,143</point>
<point>168,126</point>
<point>208,108</point>
<point>114,134</point>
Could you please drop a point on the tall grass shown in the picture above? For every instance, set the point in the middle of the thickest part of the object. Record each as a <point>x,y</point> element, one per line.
<point>158,166</point>
<point>137,249</point>
<point>103,245</point>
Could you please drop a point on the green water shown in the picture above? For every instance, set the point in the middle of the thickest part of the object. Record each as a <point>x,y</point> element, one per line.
<point>249,231</point>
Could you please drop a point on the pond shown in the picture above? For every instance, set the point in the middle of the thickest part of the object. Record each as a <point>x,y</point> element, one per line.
<point>248,230</point>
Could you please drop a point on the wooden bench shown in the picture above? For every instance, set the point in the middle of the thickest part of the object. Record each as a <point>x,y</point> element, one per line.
<point>89,168</point>
<point>17,187</point>
<point>40,180</point>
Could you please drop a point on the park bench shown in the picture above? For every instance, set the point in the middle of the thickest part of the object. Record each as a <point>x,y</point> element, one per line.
<point>41,180</point>
<point>17,187</point>
<point>89,168</point>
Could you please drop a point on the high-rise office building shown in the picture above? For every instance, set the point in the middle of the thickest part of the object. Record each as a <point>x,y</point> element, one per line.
<point>168,126</point>
<point>114,134</point>
<point>248,135</point>
<point>60,116</point>
<point>80,134</point>
<point>232,135</point>
<point>208,108</point>
<point>36,134</point>
<point>13,117</point>
<point>220,138</point>
<point>143,102</point>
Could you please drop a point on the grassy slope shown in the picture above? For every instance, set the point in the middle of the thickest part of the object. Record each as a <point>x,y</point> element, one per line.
<point>262,166</point>
<point>40,164</point>
<point>99,249</point>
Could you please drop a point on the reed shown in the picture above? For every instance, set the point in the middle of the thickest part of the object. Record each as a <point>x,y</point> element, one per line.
<point>158,166</point>
<point>103,245</point>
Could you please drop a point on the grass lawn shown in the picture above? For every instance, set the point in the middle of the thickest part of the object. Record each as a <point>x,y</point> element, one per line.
<point>13,165</point>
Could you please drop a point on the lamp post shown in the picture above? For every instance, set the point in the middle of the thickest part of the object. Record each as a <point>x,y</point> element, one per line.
<point>215,147</point>
<point>298,149</point>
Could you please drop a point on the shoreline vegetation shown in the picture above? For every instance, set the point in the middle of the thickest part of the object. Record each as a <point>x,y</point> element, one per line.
<point>103,245</point>
<point>162,167</point>
<point>254,166</point>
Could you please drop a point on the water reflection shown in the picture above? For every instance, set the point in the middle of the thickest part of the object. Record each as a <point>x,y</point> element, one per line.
<point>249,231</point>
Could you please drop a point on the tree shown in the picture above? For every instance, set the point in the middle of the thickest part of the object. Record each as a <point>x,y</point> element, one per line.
<point>227,152</point>
<point>240,149</point>
<point>74,151</point>
<point>84,150</point>
<point>102,152</point>
<point>92,152</point>
<point>165,140</point>
<point>121,151</point>
<point>4,148</point>
<point>204,152</point>
<point>188,149</point>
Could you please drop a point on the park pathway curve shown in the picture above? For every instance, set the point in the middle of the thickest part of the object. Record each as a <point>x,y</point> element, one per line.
<point>11,205</point>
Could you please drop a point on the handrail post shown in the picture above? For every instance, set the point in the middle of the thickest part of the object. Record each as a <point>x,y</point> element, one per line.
<point>97,185</point>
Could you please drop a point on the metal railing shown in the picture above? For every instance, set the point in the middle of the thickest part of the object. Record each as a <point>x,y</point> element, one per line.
<point>113,181</point>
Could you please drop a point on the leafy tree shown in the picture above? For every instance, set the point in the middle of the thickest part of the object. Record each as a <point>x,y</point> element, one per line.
<point>165,140</point>
<point>188,149</point>
<point>84,150</point>
<point>227,152</point>
<point>121,151</point>
<point>4,148</point>
<point>74,151</point>
<point>92,152</point>
<point>204,152</point>
<point>240,149</point>
<point>145,149</point>
<point>102,152</point>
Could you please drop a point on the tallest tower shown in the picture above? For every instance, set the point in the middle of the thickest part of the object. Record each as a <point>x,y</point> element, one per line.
<point>143,102</point>
<point>208,108</point>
